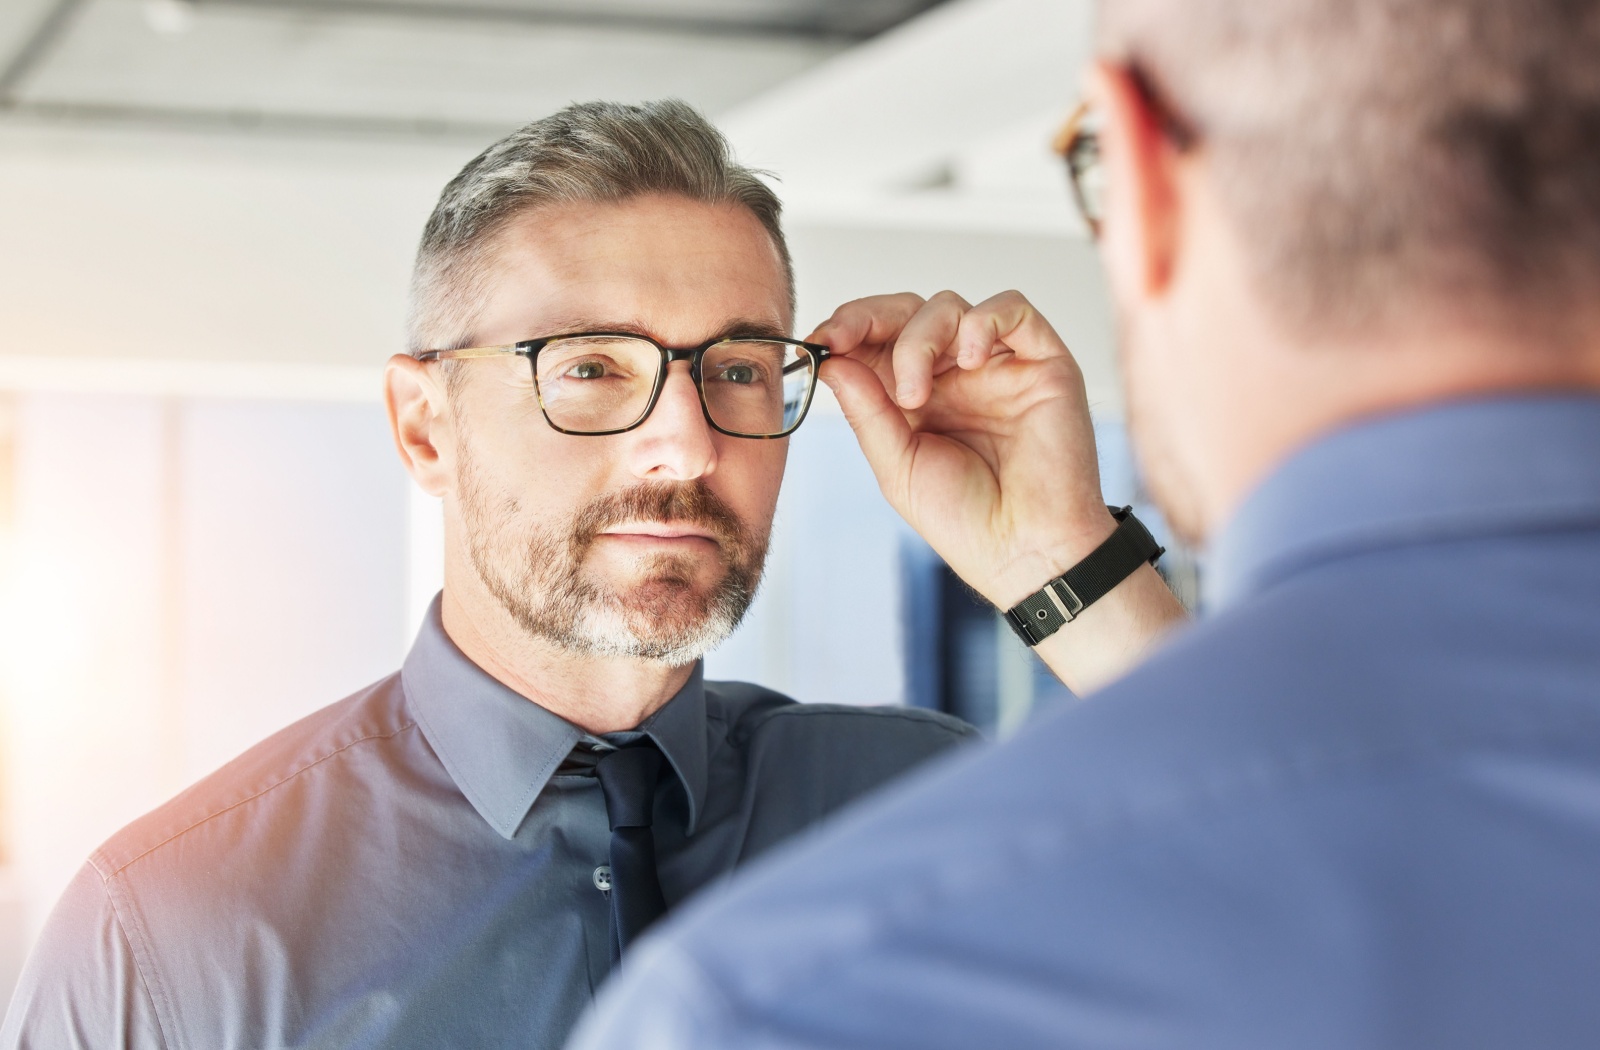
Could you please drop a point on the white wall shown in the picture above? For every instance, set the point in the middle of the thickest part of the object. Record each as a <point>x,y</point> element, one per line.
<point>292,532</point>
<point>181,579</point>
<point>139,248</point>
<point>88,735</point>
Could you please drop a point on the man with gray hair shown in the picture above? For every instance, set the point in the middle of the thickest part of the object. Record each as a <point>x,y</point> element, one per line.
<point>1355,250</point>
<point>600,385</point>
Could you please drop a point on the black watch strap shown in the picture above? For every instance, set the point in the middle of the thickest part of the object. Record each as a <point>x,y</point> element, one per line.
<point>1058,602</point>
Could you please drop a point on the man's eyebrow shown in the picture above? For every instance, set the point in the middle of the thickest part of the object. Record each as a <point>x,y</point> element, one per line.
<point>757,328</point>
<point>760,329</point>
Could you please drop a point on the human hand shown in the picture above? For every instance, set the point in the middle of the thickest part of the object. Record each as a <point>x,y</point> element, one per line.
<point>986,447</point>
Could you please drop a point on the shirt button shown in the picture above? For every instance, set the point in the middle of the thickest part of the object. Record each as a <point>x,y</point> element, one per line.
<point>602,878</point>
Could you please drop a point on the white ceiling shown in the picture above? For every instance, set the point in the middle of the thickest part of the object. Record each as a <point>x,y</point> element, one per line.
<point>943,123</point>
<point>460,68</point>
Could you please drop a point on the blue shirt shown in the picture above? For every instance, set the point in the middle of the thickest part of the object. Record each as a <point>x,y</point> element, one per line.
<point>414,867</point>
<point>1357,806</point>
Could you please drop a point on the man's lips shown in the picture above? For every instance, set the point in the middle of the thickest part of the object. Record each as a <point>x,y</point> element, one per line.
<point>661,531</point>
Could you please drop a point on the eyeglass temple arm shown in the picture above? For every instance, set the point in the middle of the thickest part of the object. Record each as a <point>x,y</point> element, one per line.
<point>469,352</point>
<point>822,353</point>
<point>1070,130</point>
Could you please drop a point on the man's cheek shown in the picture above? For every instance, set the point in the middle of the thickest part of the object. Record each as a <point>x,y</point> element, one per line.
<point>755,500</point>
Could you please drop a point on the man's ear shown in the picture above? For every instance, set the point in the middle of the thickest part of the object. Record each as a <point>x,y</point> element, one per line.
<point>1140,235</point>
<point>420,420</point>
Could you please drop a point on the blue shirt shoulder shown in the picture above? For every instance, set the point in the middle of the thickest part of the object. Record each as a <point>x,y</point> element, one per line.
<point>1355,807</point>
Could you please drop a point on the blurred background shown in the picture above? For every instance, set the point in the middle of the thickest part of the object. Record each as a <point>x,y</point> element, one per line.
<point>208,210</point>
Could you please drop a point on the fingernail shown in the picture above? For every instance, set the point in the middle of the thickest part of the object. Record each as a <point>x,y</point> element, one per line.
<point>905,392</point>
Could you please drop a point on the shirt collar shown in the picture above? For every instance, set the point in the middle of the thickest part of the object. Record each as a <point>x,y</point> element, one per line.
<point>501,748</point>
<point>1467,468</point>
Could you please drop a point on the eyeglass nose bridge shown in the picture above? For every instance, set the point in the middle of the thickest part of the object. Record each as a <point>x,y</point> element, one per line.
<point>692,354</point>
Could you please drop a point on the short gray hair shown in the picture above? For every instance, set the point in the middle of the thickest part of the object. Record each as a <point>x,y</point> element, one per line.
<point>1378,155</point>
<point>602,152</point>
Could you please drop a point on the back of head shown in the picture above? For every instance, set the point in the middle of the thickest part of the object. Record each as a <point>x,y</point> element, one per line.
<point>598,152</point>
<point>1384,157</point>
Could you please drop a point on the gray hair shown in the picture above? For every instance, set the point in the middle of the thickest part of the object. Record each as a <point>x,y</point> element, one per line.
<point>602,152</point>
<point>1378,156</point>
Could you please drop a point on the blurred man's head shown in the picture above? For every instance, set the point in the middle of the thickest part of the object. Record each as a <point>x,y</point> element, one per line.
<point>646,544</point>
<point>1342,207</point>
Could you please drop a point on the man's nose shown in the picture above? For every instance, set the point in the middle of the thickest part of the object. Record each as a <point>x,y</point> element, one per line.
<point>675,443</point>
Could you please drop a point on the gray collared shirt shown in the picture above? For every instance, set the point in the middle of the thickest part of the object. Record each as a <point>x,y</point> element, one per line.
<point>408,868</point>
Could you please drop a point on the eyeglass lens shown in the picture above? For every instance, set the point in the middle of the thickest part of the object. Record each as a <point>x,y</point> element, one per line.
<point>1088,173</point>
<point>594,384</point>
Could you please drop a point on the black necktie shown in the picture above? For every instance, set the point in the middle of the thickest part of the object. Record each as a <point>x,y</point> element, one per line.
<point>628,778</point>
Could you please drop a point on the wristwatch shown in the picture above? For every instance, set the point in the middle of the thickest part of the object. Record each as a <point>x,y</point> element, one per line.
<point>1059,602</point>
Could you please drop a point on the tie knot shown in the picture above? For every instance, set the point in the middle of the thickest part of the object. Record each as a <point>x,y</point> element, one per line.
<point>628,779</point>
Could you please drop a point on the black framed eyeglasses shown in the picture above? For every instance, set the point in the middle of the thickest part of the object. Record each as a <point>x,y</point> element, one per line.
<point>598,383</point>
<point>1078,144</point>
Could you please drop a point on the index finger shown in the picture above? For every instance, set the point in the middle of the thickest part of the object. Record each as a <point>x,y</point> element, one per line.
<point>926,338</point>
<point>872,321</point>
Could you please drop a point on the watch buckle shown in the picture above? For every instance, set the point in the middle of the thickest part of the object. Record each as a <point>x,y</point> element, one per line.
<point>1065,599</point>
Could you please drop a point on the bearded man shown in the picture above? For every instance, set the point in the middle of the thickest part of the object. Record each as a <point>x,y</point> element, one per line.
<point>599,389</point>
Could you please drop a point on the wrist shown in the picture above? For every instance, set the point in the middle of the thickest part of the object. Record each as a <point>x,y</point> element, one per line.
<point>1113,634</point>
<point>1060,600</point>
<point>1048,558</point>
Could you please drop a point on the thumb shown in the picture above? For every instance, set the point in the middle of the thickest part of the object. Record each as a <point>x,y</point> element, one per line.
<point>880,426</point>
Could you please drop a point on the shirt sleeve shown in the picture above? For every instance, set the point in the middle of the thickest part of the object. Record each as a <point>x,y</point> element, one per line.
<point>81,988</point>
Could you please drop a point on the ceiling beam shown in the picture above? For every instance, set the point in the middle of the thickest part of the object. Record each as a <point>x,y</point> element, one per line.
<point>333,125</point>
<point>35,47</point>
<point>811,28</point>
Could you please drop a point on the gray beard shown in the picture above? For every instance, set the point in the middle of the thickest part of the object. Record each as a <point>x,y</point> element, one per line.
<point>540,581</point>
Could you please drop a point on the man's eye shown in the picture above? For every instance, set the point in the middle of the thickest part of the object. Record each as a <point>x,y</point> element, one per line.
<point>743,375</point>
<point>588,370</point>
